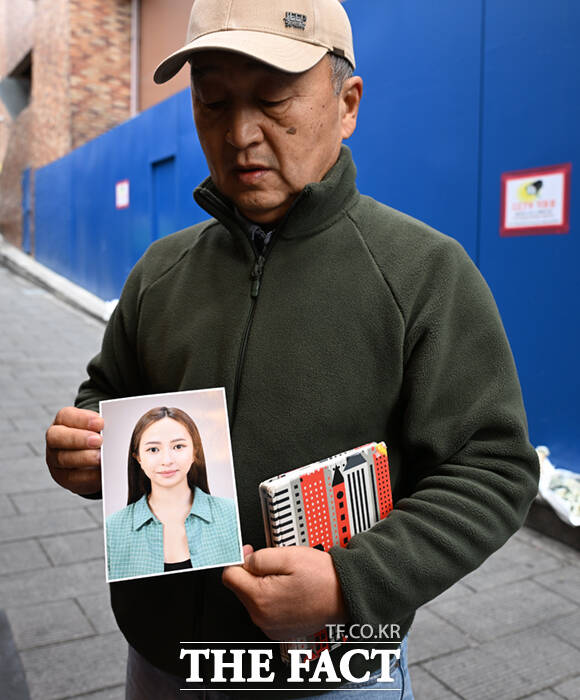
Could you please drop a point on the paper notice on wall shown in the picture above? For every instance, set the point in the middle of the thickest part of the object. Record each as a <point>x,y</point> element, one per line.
<point>535,201</point>
<point>122,194</point>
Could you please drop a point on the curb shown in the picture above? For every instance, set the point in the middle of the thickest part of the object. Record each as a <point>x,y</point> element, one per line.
<point>22,264</point>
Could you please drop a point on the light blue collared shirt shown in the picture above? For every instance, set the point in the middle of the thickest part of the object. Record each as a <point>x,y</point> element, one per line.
<point>135,537</point>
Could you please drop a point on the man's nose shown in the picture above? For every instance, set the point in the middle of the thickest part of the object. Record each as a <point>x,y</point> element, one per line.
<point>244,127</point>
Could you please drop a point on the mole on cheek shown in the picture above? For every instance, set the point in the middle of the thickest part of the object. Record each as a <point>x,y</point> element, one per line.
<point>291,130</point>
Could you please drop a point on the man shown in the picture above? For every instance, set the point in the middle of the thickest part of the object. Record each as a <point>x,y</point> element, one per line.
<point>332,321</point>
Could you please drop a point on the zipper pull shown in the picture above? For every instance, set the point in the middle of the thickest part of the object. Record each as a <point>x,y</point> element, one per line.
<point>256,276</point>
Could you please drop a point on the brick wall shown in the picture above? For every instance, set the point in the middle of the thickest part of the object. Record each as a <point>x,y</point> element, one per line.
<point>51,134</point>
<point>5,125</point>
<point>100,66</point>
<point>16,159</point>
<point>81,85</point>
<point>16,39</point>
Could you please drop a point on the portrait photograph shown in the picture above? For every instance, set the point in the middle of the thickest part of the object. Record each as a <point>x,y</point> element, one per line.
<point>169,492</point>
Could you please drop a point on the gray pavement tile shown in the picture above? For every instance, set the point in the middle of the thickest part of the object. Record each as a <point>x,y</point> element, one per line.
<point>97,608</point>
<point>565,581</point>
<point>75,667</point>
<point>544,695</point>
<point>516,560</point>
<point>16,451</point>
<point>458,591</point>
<point>47,623</point>
<point>21,556</point>
<point>566,627</point>
<point>430,637</point>
<point>21,437</point>
<point>79,546</point>
<point>514,667</point>
<point>498,612</point>
<point>12,681</point>
<point>21,527</point>
<point>63,395</point>
<point>544,661</point>
<point>6,507</point>
<point>11,410</point>
<point>55,498</point>
<point>6,425</point>
<point>549,545</point>
<point>57,583</point>
<point>38,446</point>
<point>569,689</point>
<point>31,425</point>
<point>116,693</point>
<point>427,687</point>
<point>29,474</point>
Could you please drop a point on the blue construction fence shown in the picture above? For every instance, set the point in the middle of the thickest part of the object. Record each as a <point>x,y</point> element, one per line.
<point>456,93</point>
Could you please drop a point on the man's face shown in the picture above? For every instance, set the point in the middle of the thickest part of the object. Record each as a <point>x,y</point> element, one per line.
<point>265,133</point>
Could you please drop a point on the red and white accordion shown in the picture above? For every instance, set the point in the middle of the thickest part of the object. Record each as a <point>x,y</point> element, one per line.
<point>325,504</point>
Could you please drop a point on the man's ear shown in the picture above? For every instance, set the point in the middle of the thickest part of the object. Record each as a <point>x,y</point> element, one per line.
<point>350,97</point>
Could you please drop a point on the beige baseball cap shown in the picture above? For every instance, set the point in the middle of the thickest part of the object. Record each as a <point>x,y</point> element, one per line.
<point>291,35</point>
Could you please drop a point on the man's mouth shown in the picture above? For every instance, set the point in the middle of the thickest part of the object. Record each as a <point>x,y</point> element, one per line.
<point>249,174</point>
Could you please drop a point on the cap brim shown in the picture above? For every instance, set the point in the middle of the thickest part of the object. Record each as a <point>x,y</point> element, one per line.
<point>290,55</point>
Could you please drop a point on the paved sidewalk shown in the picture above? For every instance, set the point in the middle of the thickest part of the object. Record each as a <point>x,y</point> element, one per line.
<point>510,630</point>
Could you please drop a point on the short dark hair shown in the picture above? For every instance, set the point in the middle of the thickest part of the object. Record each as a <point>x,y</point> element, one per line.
<point>139,482</point>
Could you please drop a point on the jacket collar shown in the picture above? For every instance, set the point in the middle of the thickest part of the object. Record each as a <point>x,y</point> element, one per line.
<point>317,206</point>
<point>200,507</point>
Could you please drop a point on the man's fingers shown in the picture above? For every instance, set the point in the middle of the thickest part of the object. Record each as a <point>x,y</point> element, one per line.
<point>80,481</point>
<point>63,437</point>
<point>72,449</point>
<point>73,459</point>
<point>80,418</point>
<point>238,580</point>
<point>270,561</point>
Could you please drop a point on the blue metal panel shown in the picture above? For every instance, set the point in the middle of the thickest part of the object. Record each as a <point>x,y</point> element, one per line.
<point>416,145</point>
<point>25,182</point>
<point>53,218</point>
<point>163,200</point>
<point>80,232</point>
<point>531,118</point>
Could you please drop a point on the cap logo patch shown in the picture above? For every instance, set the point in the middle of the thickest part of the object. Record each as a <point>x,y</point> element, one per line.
<point>295,20</point>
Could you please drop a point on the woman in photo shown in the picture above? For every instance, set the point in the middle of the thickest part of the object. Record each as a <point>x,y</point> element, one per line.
<point>171,521</point>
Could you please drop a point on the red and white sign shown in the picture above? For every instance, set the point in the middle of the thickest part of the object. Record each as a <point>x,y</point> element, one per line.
<point>122,194</point>
<point>535,201</point>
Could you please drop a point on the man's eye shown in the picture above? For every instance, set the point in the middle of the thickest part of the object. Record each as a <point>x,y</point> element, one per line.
<point>273,103</point>
<point>214,106</point>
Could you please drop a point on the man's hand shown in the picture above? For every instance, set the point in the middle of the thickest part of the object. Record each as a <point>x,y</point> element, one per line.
<point>290,592</point>
<point>72,450</point>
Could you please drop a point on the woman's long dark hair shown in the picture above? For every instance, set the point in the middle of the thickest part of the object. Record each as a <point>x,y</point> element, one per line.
<point>139,482</point>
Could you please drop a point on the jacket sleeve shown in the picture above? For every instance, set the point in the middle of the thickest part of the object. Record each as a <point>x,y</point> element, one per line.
<point>465,453</point>
<point>114,372</point>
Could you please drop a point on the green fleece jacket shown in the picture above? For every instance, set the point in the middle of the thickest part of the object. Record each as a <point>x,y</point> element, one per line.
<point>361,324</point>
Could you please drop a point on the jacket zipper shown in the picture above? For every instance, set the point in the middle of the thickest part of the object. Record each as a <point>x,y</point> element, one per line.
<point>256,280</point>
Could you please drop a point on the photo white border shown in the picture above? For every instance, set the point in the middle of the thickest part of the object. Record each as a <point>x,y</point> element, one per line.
<point>175,399</point>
